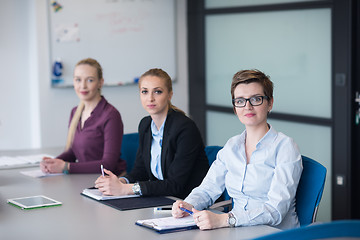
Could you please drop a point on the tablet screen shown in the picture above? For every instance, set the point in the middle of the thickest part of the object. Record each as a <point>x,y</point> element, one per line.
<point>34,202</point>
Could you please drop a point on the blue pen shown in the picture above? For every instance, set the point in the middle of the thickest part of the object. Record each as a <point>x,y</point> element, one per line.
<point>185,210</point>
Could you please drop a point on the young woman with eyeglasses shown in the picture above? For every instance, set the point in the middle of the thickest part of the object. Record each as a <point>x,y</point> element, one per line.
<point>170,160</point>
<point>260,168</point>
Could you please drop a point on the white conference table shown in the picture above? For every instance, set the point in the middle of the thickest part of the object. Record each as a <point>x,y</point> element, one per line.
<point>80,217</point>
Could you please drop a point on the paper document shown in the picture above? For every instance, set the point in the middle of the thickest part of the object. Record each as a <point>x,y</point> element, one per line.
<point>39,174</point>
<point>168,224</point>
<point>21,161</point>
<point>96,194</point>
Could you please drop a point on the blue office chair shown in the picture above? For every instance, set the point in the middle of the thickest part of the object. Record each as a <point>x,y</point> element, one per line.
<point>129,146</point>
<point>211,152</point>
<point>224,202</point>
<point>310,190</point>
<point>308,195</point>
<point>336,229</point>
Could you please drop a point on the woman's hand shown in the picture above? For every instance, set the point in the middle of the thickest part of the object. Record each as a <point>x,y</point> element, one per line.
<point>177,212</point>
<point>112,185</point>
<point>209,220</point>
<point>52,165</point>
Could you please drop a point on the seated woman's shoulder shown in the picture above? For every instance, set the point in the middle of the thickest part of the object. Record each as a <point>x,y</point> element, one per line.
<point>144,123</point>
<point>179,117</point>
<point>235,140</point>
<point>112,111</point>
<point>281,137</point>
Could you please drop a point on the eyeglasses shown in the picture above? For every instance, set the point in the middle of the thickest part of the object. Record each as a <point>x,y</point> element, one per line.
<point>254,101</point>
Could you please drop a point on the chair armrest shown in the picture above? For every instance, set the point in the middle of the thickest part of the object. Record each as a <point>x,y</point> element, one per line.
<point>223,205</point>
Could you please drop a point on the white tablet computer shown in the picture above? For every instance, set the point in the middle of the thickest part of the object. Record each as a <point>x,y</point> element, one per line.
<point>33,202</point>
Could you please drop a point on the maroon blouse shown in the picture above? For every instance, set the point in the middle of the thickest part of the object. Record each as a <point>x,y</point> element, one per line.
<point>99,142</point>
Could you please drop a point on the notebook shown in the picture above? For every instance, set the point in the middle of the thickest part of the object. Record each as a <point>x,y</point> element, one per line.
<point>127,202</point>
<point>168,224</point>
<point>96,194</point>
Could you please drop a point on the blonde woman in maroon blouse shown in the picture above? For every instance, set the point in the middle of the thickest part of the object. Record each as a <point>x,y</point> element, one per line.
<point>95,131</point>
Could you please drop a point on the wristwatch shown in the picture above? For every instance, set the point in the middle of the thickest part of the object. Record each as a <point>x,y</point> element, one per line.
<point>136,188</point>
<point>231,220</point>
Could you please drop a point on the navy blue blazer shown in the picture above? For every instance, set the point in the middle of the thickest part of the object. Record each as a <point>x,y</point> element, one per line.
<point>183,160</point>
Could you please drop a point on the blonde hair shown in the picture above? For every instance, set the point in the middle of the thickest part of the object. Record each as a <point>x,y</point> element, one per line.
<point>76,118</point>
<point>157,72</point>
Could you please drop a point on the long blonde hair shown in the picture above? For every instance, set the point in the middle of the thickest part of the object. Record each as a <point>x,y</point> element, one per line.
<point>76,118</point>
<point>157,72</point>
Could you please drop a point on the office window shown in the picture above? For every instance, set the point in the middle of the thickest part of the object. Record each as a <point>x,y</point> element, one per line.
<point>293,47</point>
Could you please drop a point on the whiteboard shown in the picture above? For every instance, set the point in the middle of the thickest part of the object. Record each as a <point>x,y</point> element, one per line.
<point>127,37</point>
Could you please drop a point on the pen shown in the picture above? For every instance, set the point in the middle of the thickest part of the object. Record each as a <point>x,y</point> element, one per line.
<point>162,210</point>
<point>185,210</point>
<point>102,170</point>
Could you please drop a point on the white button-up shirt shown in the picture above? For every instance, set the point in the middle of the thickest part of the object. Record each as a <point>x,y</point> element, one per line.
<point>264,190</point>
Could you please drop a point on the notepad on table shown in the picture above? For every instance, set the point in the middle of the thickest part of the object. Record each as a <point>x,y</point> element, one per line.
<point>37,173</point>
<point>168,224</point>
<point>21,161</point>
<point>96,194</point>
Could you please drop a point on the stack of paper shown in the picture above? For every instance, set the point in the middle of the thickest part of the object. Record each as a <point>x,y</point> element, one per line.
<point>37,173</point>
<point>21,161</point>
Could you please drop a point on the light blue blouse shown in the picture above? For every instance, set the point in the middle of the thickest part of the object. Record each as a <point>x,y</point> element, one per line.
<point>264,190</point>
<point>156,146</point>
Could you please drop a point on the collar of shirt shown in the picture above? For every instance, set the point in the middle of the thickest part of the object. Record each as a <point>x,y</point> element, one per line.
<point>267,139</point>
<point>157,134</point>
<point>97,113</point>
<point>99,107</point>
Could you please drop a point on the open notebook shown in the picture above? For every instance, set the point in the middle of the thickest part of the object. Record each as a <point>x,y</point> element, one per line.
<point>168,224</point>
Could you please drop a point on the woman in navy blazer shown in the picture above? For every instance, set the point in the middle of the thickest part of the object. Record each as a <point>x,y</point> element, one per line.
<point>170,159</point>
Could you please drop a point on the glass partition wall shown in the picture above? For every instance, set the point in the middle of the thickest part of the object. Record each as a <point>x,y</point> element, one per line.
<point>294,48</point>
<point>291,41</point>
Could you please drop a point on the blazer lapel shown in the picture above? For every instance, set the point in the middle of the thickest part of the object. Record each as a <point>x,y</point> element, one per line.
<point>165,144</point>
<point>147,150</point>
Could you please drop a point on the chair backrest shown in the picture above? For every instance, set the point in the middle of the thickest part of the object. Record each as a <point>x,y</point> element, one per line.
<point>129,146</point>
<point>342,229</point>
<point>211,152</point>
<point>310,190</point>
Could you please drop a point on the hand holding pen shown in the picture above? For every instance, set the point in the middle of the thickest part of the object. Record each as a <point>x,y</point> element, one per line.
<point>186,210</point>
<point>177,207</point>
<point>109,184</point>
<point>207,219</point>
